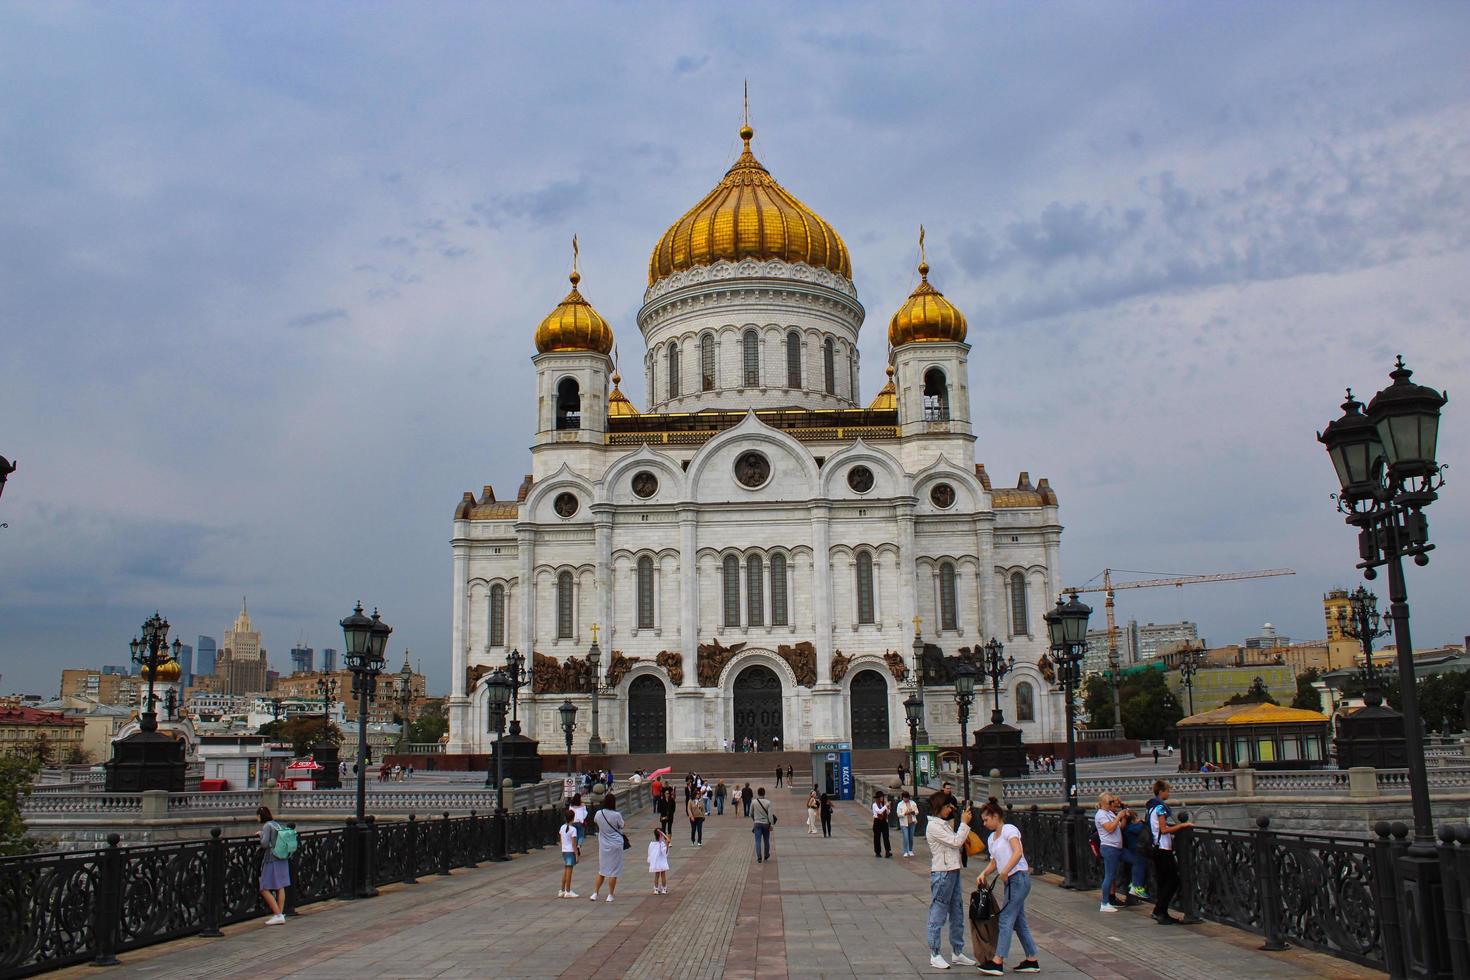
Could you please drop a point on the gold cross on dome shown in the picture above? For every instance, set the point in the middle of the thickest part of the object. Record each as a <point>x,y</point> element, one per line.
<point>918,621</point>
<point>594,632</point>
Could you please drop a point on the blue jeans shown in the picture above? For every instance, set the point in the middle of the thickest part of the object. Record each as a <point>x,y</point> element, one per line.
<point>1013,916</point>
<point>946,901</point>
<point>1140,867</point>
<point>908,838</point>
<point>762,838</point>
<point>720,805</point>
<point>1111,857</point>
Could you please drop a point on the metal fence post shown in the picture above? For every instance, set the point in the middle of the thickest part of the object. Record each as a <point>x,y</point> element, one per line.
<point>368,871</point>
<point>1269,875</point>
<point>350,862</point>
<point>295,876</point>
<point>214,884</point>
<point>467,848</point>
<point>411,860</point>
<point>1385,897</point>
<point>108,910</point>
<point>444,839</point>
<point>1455,897</point>
<point>525,816</point>
<point>1184,847</point>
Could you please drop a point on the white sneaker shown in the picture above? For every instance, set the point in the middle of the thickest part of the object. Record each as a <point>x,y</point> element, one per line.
<point>276,920</point>
<point>573,895</point>
<point>1107,907</point>
<point>938,962</point>
<point>609,898</point>
<point>594,896</point>
<point>960,959</point>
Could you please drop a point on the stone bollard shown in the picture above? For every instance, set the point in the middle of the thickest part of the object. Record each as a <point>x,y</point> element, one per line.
<point>270,796</point>
<point>997,787</point>
<point>1245,782</point>
<point>1362,781</point>
<point>155,804</point>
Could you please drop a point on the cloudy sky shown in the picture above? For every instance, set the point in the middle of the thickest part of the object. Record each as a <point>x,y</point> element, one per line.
<point>269,275</point>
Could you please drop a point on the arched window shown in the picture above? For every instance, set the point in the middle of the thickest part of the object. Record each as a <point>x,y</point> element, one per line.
<point>755,593</point>
<point>751,343</point>
<point>568,404</point>
<point>707,362</point>
<point>947,615</point>
<point>829,365</point>
<point>1025,702</point>
<point>564,606</point>
<point>673,370</point>
<point>645,593</point>
<point>865,587</point>
<point>732,590</point>
<point>936,396</point>
<point>497,615</point>
<point>793,360</point>
<point>852,387</point>
<point>779,615</point>
<point>1020,626</point>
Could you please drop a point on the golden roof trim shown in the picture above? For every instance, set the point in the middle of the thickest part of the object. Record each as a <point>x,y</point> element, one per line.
<point>1261,713</point>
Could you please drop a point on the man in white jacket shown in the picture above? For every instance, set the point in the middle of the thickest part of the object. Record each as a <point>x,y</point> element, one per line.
<point>946,897</point>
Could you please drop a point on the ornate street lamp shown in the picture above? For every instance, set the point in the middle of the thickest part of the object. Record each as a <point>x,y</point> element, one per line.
<point>1189,662</point>
<point>1066,626</point>
<point>497,698</point>
<point>1385,463</point>
<point>7,467</point>
<point>913,709</point>
<point>594,663</point>
<point>515,671</point>
<point>405,701</point>
<point>325,752</point>
<point>366,639</point>
<point>923,732</point>
<point>568,726</point>
<point>993,666</point>
<point>148,759</point>
<point>1361,621</point>
<point>150,652</point>
<point>964,696</point>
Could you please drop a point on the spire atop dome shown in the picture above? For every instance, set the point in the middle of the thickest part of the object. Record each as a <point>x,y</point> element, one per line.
<point>574,325</point>
<point>923,262</point>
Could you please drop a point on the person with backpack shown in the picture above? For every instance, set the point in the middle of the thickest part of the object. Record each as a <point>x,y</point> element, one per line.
<point>1166,871</point>
<point>277,844</point>
<point>1008,860</point>
<point>694,810</point>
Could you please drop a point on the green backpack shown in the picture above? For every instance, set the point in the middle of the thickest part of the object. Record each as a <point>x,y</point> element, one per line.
<point>285,843</point>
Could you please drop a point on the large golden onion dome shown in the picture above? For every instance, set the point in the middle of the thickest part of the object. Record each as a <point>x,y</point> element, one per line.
<point>748,216</point>
<point>167,672</point>
<point>926,315</point>
<point>574,325</point>
<point>618,405</point>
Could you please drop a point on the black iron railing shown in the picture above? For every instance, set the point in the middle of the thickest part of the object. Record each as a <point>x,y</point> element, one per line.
<point>58,909</point>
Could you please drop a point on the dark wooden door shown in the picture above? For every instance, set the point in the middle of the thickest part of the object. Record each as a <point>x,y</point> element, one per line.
<point>758,706</point>
<point>647,715</point>
<point>868,706</point>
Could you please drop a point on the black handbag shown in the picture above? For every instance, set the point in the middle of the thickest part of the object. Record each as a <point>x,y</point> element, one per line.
<point>980,905</point>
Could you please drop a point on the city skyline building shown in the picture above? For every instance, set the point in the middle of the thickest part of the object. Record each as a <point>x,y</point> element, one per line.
<point>303,660</point>
<point>329,660</point>
<point>205,655</point>
<point>242,659</point>
<point>186,663</point>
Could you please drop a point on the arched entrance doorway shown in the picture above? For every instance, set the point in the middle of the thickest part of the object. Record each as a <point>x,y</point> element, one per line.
<point>868,706</point>
<point>758,706</point>
<point>647,718</point>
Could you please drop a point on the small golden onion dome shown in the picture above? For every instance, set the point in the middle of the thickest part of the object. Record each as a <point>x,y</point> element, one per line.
<point>618,405</point>
<point>167,672</point>
<point>887,400</point>
<point>748,216</point>
<point>574,325</point>
<point>926,316</point>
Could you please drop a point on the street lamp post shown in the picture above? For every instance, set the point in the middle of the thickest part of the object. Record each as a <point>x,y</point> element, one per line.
<point>594,662</point>
<point>1364,624</point>
<point>1067,628</point>
<point>923,732</point>
<point>568,726</point>
<point>1188,666</point>
<point>913,709</point>
<point>325,751</point>
<point>964,696</point>
<point>1385,463</point>
<point>148,759</point>
<point>515,672</point>
<point>366,638</point>
<point>405,701</point>
<point>498,693</point>
<point>993,666</point>
<point>150,652</point>
<point>327,688</point>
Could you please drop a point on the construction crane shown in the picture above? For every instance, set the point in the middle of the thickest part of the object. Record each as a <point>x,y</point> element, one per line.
<point>1108,586</point>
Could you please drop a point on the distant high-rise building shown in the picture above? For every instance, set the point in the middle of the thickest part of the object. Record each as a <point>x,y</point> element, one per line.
<point>206,651</point>
<point>329,660</point>
<point>122,669</point>
<point>303,660</point>
<point>242,660</point>
<point>1267,640</point>
<point>186,661</point>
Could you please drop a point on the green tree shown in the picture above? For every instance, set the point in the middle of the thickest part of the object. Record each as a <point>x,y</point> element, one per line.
<point>1149,708</point>
<point>1097,701</point>
<point>1307,696</point>
<point>16,773</point>
<point>430,725</point>
<point>302,731</point>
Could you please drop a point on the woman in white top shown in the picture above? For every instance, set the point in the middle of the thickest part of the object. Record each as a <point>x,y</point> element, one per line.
<point>881,841</point>
<point>570,851</point>
<point>812,805</point>
<point>1008,859</point>
<point>908,816</point>
<point>579,817</point>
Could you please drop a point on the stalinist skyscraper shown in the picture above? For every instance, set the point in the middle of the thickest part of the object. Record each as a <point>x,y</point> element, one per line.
<point>242,660</point>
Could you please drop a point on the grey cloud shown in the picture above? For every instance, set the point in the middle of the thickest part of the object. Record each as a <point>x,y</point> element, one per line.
<point>549,203</point>
<point>317,318</point>
<point>863,43</point>
<point>688,64</point>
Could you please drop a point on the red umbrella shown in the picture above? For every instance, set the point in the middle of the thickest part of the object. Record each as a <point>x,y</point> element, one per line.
<point>659,772</point>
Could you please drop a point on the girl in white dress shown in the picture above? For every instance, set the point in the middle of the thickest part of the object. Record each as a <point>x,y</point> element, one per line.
<point>658,861</point>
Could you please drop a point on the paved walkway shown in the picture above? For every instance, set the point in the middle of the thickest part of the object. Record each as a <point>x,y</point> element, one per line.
<point>820,908</point>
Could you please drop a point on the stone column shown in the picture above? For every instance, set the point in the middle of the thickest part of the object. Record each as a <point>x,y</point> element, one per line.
<point>689,595</point>
<point>985,549</point>
<point>461,738</point>
<point>907,603</point>
<point>602,584</point>
<point>826,698</point>
<point>526,545</point>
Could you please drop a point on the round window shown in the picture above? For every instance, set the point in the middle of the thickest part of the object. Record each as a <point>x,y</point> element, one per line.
<point>645,484</point>
<point>752,469</point>
<point>860,478</point>
<point>942,496</point>
<point>565,504</point>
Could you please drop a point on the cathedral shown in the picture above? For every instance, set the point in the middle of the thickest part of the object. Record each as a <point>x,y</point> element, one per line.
<point>759,552</point>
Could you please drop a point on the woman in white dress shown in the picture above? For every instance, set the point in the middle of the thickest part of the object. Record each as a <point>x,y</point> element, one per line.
<point>610,840</point>
<point>658,861</point>
<point>813,804</point>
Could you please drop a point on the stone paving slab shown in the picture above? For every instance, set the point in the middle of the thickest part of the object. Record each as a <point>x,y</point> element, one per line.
<point>820,908</point>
